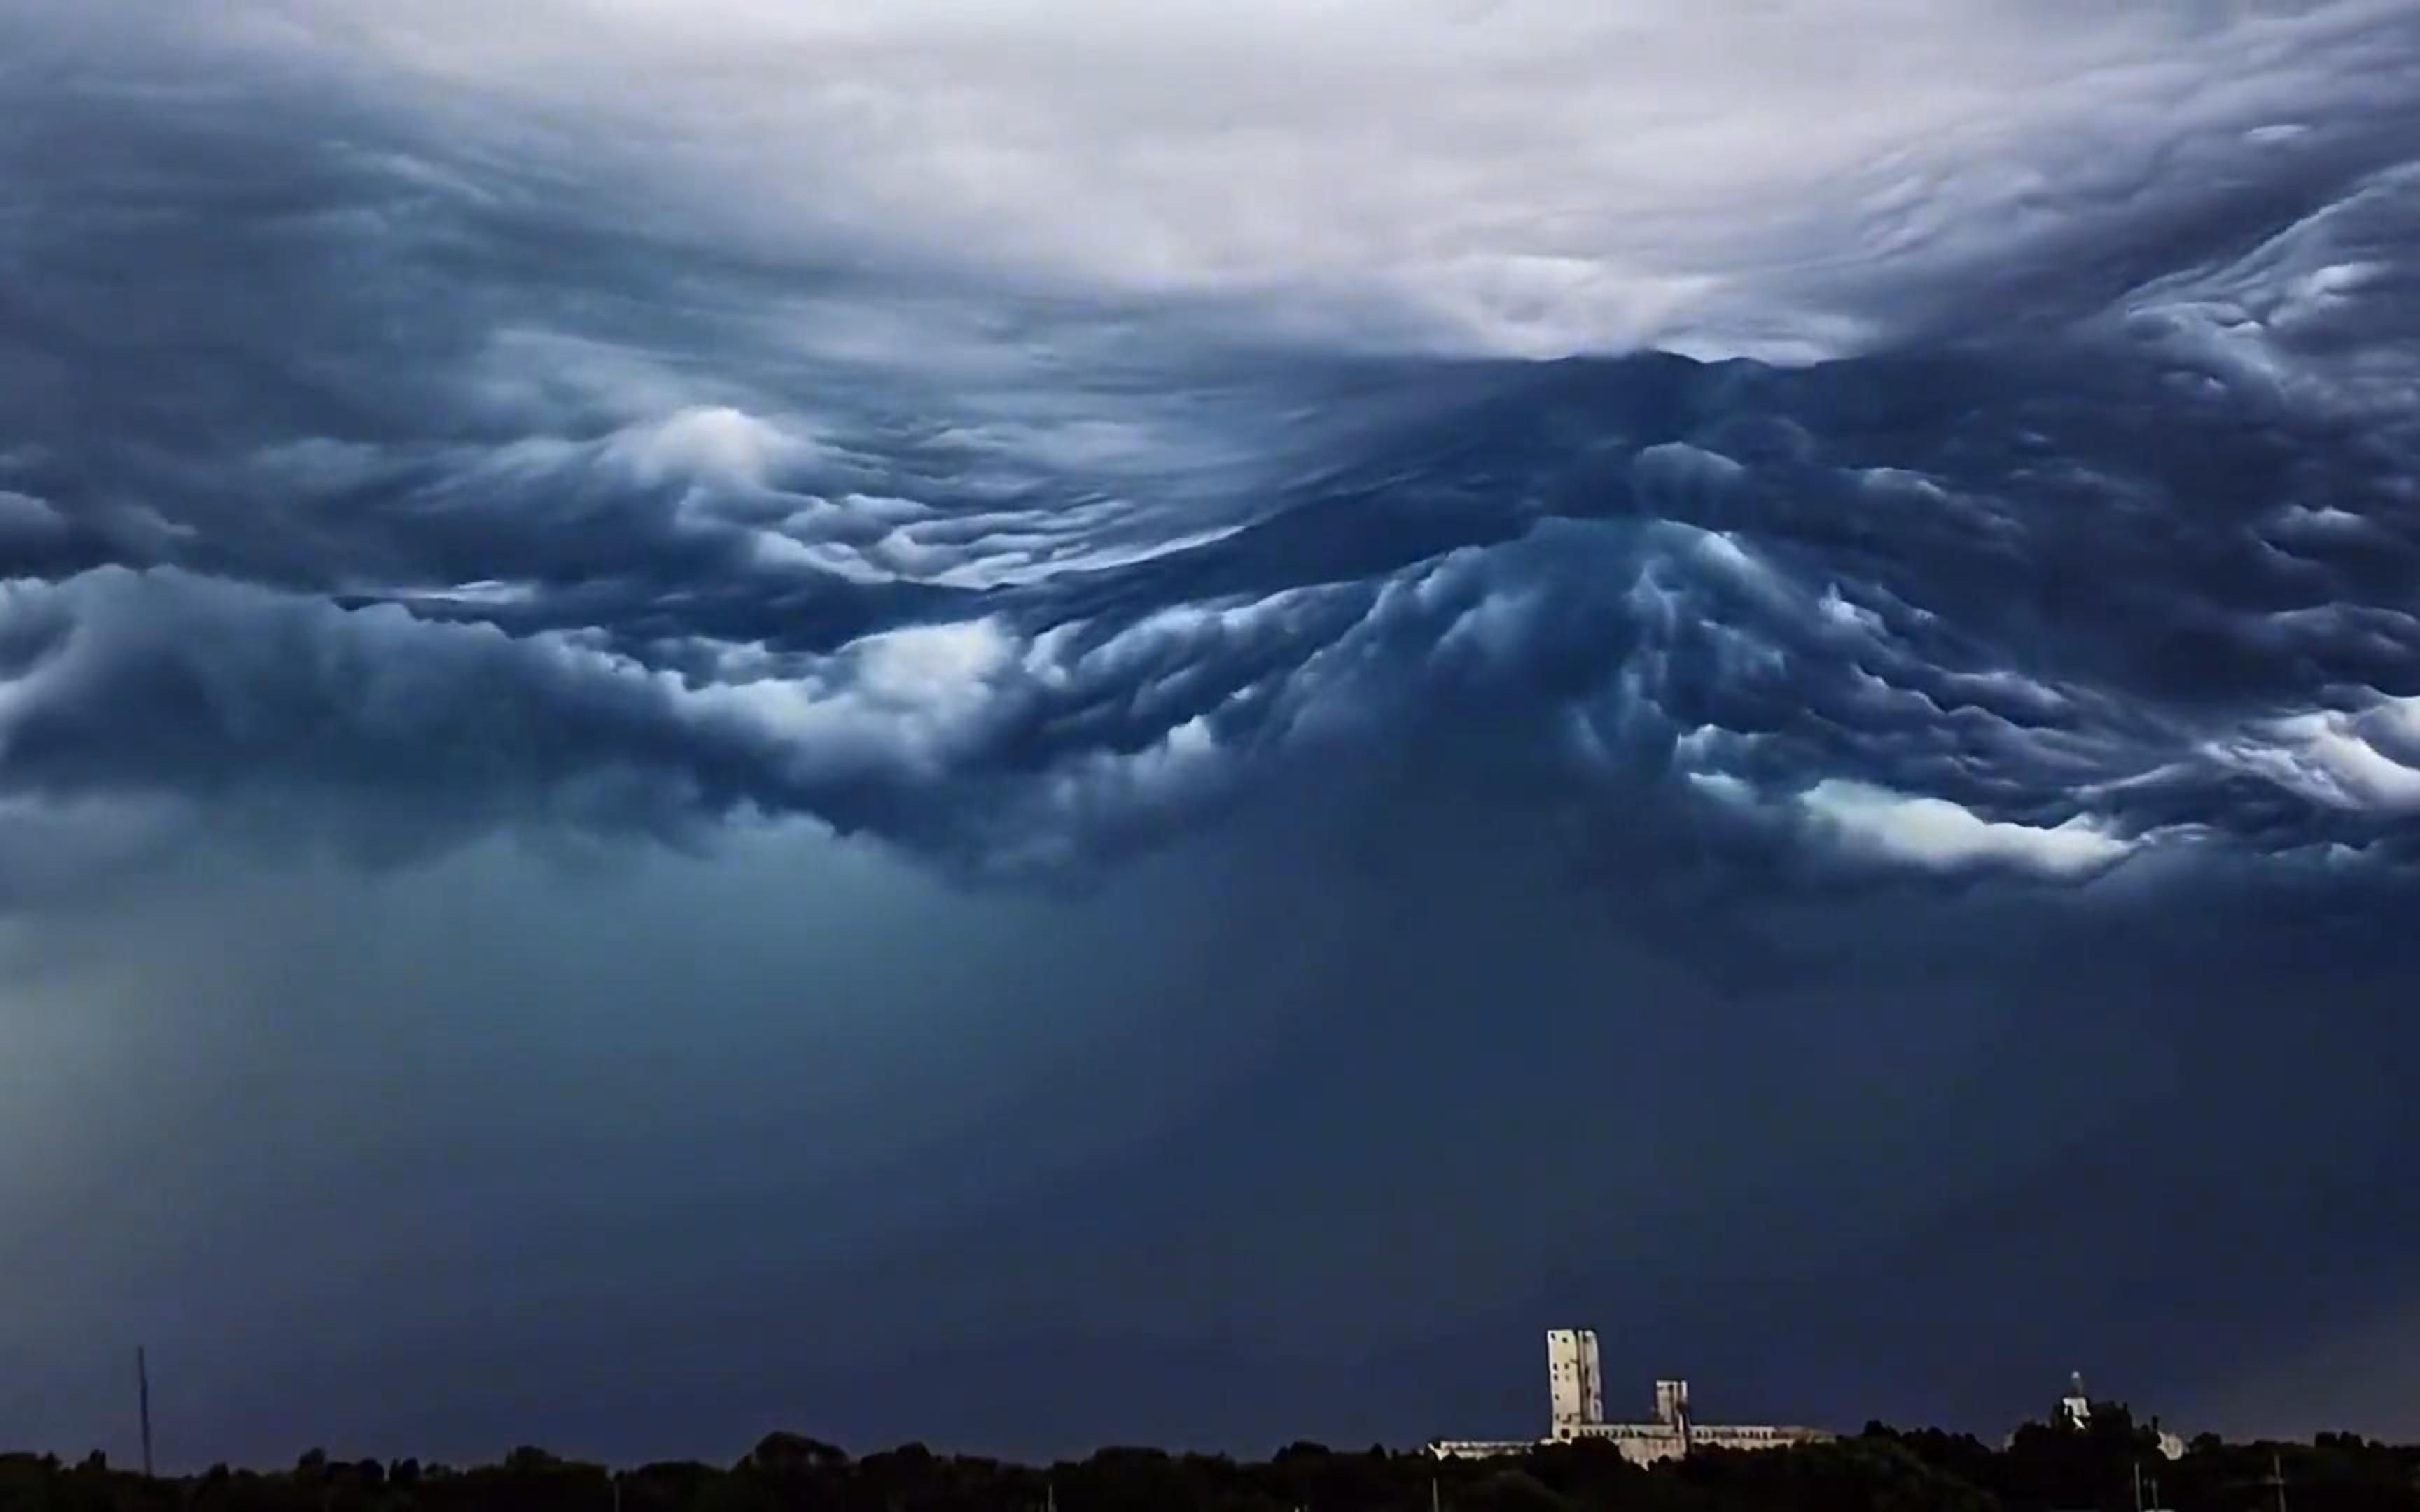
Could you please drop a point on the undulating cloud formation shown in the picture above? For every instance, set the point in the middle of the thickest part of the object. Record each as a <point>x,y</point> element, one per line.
<point>579,418</point>
<point>1864,491</point>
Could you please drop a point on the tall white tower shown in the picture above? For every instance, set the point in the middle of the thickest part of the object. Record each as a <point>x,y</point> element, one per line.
<point>1573,1381</point>
<point>1672,1404</point>
<point>2075,1407</point>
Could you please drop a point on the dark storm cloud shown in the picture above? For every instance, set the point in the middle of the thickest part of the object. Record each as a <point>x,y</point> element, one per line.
<point>823,1146</point>
<point>1843,811</point>
<point>372,472</point>
<point>396,472</point>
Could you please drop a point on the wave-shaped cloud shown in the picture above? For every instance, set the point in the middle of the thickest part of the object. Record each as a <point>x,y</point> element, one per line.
<point>391,455</point>
<point>1521,177</point>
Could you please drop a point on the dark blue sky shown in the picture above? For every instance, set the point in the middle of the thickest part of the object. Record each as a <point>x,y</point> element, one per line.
<point>968,726</point>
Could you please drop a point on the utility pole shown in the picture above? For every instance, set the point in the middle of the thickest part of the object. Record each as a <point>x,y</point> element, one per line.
<point>143,1400</point>
<point>2277,1478</point>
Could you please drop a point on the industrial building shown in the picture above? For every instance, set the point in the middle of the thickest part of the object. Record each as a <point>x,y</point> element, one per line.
<point>1575,1395</point>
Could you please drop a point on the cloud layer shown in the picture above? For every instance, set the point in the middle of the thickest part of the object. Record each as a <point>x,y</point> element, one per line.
<point>394,425</point>
<point>1831,585</point>
<point>1521,175</point>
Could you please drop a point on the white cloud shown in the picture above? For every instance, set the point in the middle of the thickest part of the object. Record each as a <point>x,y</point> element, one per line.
<point>708,443</point>
<point>1941,835</point>
<point>2365,762</point>
<point>1724,787</point>
<point>932,665</point>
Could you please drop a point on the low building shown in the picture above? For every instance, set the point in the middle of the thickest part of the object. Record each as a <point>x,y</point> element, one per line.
<point>2075,1414</point>
<point>1480,1448</point>
<point>1577,1414</point>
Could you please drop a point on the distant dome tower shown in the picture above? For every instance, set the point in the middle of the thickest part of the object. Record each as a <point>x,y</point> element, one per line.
<point>2075,1408</point>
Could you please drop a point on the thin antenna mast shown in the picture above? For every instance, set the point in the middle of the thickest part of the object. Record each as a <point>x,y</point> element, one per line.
<point>143,1399</point>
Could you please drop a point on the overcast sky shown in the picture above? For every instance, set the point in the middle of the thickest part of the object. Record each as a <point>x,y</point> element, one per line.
<point>1025,723</point>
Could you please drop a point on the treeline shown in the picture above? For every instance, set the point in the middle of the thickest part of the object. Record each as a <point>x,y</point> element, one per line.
<point>2042,1468</point>
<point>2106,1465</point>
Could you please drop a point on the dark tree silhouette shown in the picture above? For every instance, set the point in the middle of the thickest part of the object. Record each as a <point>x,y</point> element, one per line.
<point>2046,1467</point>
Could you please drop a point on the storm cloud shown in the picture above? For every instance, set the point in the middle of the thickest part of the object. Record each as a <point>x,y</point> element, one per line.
<point>1828,498</point>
